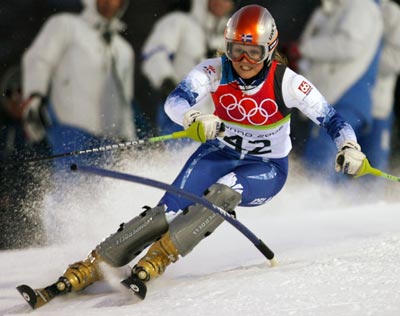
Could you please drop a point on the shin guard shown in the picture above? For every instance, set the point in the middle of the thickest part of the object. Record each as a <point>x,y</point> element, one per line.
<point>123,246</point>
<point>198,222</point>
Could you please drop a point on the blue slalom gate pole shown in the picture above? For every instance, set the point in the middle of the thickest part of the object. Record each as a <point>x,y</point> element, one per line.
<point>258,243</point>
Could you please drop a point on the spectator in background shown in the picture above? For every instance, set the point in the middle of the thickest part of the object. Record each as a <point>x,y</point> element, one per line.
<point>179,41</point>
<point>395,154</point>
<point>21,189</point>
<point>340,49</point>
<point>85,68</point>
<point>379,136</point>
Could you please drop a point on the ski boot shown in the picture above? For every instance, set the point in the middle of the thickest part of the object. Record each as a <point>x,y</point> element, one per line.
<point>116,251</point>
<point>158,257</point>
<point>75,278</point>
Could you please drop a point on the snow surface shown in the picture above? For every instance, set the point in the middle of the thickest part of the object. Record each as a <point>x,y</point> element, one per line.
<point>339,252</point>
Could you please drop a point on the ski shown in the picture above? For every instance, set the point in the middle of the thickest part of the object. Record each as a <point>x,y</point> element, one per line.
<point>38,297</point>
<point>136,285</point>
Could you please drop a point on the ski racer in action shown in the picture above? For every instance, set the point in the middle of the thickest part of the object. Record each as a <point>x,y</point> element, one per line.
<point>244,162</point>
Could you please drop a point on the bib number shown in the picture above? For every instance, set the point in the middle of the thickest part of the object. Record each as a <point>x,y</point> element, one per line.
<point>254,147</point>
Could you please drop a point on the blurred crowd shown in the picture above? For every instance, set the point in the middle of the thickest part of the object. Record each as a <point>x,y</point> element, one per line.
<point>79,74</point>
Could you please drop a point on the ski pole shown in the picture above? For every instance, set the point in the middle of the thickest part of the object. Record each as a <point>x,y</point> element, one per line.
<point>366,168</point>
<point>258,243</point>
<point>195,132</point>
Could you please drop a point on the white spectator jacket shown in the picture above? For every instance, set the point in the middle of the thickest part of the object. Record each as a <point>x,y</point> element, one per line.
<point>70,61</point>
<point>338,47</point>
<point>179,41</point>
<point>389,65</point>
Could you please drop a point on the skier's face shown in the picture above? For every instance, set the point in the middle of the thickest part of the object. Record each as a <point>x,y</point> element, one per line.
<point>109,8</point>
<point>246,69</point>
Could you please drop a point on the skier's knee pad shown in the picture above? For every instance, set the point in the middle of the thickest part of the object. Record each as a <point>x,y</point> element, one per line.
<point>198,222</point>
<point>133,237</point>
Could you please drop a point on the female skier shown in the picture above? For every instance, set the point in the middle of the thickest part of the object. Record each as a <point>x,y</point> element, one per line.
<point>243,162</point>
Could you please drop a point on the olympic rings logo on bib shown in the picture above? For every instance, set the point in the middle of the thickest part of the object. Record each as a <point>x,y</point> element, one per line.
<point>247,110</point>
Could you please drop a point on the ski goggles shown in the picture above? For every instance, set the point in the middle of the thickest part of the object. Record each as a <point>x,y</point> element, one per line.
<point>255,54</point>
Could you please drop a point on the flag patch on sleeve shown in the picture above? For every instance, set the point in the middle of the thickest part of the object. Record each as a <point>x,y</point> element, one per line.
<point>305,87</point>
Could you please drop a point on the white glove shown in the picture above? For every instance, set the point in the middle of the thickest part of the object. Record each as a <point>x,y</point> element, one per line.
<point>212,124</point>
<point>35,119</point>
<point>349,158</point>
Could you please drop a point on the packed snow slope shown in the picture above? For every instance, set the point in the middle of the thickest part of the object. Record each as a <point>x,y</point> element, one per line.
<point>338,251</point>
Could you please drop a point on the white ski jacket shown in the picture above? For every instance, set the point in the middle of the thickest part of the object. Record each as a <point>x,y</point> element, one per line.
<point>338,46</point>
<point>179,41</point>
<point>389,65</point>
<point>71,63</point>
<point>257,120</point>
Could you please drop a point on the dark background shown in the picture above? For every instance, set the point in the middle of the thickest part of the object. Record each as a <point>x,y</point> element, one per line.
<point>20,21</point>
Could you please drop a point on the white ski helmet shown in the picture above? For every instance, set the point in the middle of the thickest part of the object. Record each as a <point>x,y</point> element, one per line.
<point>251,33</point>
